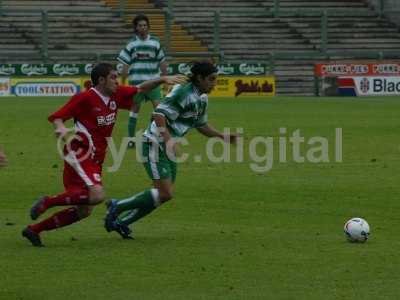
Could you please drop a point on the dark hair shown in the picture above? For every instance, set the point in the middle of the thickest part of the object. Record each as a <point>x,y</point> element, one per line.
<point>138,18</point>
<point>202,68</point>
<point>100,70</point>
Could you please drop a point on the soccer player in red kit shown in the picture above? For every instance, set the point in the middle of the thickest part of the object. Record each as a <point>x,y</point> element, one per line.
<point>94,113</point>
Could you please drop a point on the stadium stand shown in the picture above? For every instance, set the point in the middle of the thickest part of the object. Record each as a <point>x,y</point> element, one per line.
<point>254,35</point>
<point>359,28</point>
<point>77,30</point>
<point>248,31</point>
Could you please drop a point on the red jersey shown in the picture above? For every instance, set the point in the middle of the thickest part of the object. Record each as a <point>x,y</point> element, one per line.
<point>94,117</point>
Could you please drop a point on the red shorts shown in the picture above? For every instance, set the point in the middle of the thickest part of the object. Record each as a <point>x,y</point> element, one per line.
<point>81,174</point>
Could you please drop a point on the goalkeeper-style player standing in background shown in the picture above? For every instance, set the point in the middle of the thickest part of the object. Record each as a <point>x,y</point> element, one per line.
<point>143,58</point>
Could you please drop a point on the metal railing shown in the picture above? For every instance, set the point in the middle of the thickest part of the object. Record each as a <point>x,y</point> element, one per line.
<point>45,14</point>
<point>215,48</point>
<point>276,8</point>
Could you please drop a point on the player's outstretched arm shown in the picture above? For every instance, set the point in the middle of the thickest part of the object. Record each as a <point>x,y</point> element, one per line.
<point>148,85</point>
<point>209,131</point>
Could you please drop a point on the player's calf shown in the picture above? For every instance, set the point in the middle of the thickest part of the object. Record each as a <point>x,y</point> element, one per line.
<point>38,208</point>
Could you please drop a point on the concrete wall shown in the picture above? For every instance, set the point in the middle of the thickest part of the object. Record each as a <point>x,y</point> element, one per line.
<point>389,5</point>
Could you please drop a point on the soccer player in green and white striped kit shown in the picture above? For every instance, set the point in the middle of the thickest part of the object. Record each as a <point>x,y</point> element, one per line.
<point>184,108</point>
<point>143,59</point>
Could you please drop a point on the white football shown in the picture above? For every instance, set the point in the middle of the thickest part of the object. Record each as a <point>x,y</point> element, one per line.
<point>356,230</point>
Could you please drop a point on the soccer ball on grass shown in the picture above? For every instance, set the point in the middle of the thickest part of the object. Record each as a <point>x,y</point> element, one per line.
<point>356,230</point>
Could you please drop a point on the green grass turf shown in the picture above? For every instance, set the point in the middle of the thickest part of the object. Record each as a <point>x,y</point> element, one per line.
<point>229,233</point>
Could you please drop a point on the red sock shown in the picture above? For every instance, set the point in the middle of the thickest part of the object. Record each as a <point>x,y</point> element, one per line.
<point>59,219</point>
<point>69,197</point>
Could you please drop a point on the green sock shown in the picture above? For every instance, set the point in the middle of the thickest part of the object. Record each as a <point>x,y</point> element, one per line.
<point>129,217</point>
<point>141,200</point>
<point>137,206</point>
<point>132,126</point>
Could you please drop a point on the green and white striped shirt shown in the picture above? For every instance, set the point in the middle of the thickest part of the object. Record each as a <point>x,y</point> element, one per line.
<point>184,108</point>
<point>143,57</point>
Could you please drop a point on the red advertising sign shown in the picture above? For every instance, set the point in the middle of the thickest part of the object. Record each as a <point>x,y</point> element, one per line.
<point>357,69</point>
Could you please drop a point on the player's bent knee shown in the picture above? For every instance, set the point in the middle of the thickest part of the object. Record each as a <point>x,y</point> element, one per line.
<point>97,198</point>
<point>165,189</point>
<point>97,195</point>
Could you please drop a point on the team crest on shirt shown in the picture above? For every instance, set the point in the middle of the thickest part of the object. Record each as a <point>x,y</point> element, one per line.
<point>97,177</point>
<point>113,105</point>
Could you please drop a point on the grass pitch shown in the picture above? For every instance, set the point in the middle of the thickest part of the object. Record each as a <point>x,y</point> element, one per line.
<point>230,233</point>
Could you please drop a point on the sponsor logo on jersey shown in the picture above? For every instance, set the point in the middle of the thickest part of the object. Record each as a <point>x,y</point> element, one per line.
<point>106,120</point>
<point>143,55</point>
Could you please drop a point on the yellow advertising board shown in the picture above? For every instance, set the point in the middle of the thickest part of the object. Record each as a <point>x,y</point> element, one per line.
<point>244,86</point>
